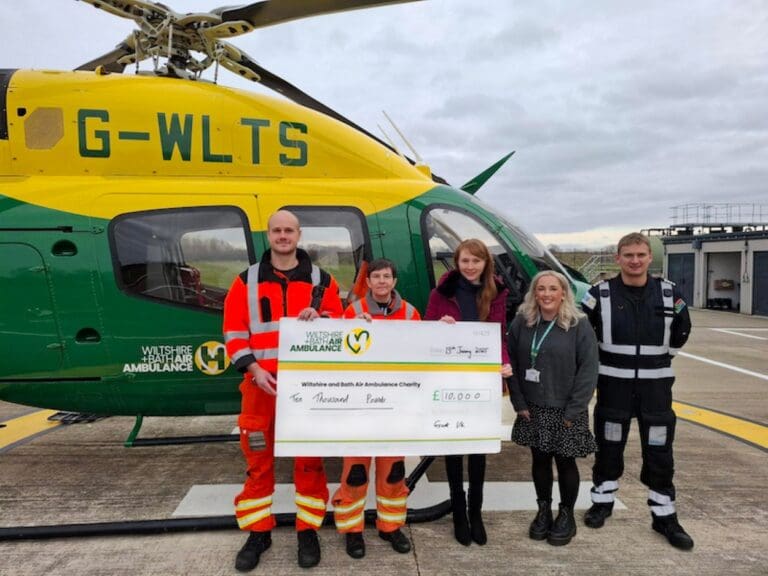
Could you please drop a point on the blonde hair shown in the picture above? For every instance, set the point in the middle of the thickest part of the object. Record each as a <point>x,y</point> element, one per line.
<point>568,314</point>
<point>488,290</point>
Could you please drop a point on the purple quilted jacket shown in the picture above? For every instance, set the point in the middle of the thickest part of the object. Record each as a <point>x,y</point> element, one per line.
<point>442,302</point>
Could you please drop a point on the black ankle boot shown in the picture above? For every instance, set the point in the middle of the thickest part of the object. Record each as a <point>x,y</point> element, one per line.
<point>670,528</point>
<point>460,520</point>
<point>563,528</point>
<point>476,526</point>
<point>542,524</point>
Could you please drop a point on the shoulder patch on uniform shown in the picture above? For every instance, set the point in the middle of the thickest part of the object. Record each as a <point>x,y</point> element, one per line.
<point>679,305</point>
<point>589,301</point>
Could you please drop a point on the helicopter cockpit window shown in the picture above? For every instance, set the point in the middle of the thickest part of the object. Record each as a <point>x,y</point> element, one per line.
<point>185,256</point>
<point>444,228</point>
<point>336,239</point>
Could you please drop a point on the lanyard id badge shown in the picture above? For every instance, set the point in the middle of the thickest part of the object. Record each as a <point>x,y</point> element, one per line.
<point>532,374</point>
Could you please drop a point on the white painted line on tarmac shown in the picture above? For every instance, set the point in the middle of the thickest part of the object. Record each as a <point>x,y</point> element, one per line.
<point>726,331</point>
<point>742,329</point>
<point>218,499</point>
<point>724,365</point>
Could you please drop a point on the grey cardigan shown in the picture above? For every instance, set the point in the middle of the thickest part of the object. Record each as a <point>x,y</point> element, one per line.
<point>567,363</point>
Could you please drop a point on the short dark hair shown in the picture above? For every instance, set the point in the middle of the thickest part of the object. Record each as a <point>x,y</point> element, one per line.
<point>633,238</point>
<point>382,264</point>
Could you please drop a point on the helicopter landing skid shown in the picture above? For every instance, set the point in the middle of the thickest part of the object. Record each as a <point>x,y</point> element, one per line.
<point>132,441</point>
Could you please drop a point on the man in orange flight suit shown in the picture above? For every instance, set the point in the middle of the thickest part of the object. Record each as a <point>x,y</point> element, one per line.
<point>284,284</point>
<point>381,302</point>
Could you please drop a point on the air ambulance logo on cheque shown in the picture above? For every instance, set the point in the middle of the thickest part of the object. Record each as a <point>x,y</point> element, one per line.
<point>357,341</point>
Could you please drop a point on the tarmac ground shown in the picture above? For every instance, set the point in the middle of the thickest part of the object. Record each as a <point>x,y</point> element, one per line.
<point>81,473</point>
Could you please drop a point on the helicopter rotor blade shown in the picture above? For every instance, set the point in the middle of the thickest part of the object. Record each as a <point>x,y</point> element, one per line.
<point>111,61</point>
<point>136,10</point>
<point>243,65</point>
<point>270,12</point>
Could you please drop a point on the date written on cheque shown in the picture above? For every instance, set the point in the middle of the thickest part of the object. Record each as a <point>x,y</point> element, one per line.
<point>460,395</point>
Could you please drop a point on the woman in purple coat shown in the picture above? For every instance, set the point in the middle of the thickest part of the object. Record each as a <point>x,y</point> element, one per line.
<point>469,293</point>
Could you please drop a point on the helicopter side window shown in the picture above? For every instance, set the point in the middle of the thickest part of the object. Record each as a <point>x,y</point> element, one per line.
<point>445,227</point>
<point>184,256</point>
<point>337,240</point>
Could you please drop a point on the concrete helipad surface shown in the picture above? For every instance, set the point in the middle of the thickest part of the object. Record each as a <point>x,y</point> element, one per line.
<point>82,474</point>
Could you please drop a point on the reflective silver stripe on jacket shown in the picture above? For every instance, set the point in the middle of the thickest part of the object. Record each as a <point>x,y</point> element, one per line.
<point>607,344</point>
<point>315,275</point>
<point>254,310</point>
<point>357,307</point>
<point>669,306</point>
<point>240,354</point>
<point>410,311</point>
<point>630,350</point>
<point>232,335</point>
<point>604,291</point>
<point>629,374</point>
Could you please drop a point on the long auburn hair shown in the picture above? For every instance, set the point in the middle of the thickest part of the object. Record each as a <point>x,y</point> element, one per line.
<point>567,315</point>
<point>488,290</point>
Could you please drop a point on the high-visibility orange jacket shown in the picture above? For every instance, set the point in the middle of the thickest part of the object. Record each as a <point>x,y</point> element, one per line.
<point>396,309</point>
<point>260,296</point>
<point>391,491</point>
<point>257,300</point>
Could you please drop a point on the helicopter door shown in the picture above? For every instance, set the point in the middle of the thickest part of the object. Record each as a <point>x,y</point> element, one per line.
<point>28,329</point>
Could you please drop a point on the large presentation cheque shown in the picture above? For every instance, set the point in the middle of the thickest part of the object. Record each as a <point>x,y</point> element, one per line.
<point>388,388</point>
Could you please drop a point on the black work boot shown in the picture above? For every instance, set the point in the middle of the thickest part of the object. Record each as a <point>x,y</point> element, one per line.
<point>598,512</point>
<point>309,548</point>
<point>399,541</point>
<point>669,527</point>
<point>542,524</point>
<point>460,521</point>
<point>355,544</point>
<point>248,557</point>
<point>476,526</point>
<point>563,528</point>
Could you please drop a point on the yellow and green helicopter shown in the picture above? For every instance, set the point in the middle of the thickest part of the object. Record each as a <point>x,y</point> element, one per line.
<point>129,202</point>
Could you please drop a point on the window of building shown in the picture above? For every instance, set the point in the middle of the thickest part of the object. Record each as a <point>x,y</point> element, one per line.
<point>336,239</point>
<point>188,256</point>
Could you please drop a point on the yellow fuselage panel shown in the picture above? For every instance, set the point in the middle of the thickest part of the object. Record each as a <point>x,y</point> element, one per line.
<point>69,123</point>
<point>107,197</point>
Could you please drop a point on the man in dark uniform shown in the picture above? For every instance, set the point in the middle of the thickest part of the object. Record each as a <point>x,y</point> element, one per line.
<point>641,322</point>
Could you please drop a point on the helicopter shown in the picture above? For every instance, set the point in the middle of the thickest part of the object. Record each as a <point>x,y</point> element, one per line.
<point>128,203</point>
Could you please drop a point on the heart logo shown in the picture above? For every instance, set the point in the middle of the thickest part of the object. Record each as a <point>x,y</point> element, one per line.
<point>358,340</point>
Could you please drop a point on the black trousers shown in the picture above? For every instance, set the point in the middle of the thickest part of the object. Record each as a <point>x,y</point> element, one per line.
<point>650,401</point>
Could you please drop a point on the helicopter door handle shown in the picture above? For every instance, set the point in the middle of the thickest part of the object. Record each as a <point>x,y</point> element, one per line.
<point>87,336</point>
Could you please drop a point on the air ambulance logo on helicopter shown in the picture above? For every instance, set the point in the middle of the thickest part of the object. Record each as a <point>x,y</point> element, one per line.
<point>210,358</point>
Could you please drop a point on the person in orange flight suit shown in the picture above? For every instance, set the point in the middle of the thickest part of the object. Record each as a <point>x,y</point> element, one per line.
<point>284,284</point>
<point>381,302</point>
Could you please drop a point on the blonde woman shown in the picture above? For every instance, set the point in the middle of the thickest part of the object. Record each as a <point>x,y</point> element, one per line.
<point>554,358</point>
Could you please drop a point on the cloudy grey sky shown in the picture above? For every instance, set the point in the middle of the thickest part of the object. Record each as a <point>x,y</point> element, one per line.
<point>617,109</point>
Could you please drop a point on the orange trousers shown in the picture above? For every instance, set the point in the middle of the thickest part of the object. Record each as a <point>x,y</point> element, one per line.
<point>253,506</point>
<point>391,494</point>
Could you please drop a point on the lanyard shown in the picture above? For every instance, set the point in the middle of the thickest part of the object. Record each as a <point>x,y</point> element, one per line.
<point>536,346</point>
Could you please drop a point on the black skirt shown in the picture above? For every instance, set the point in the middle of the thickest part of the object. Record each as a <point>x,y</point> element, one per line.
<point>547,432</point>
